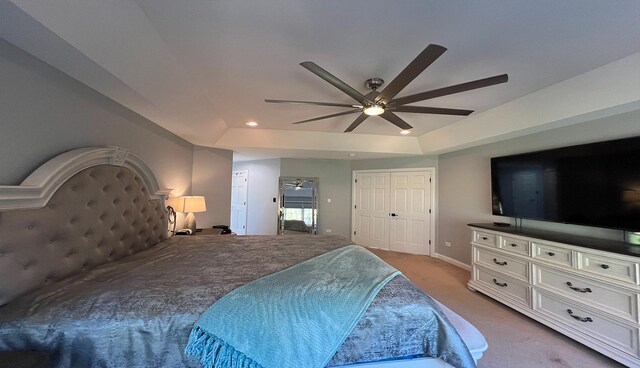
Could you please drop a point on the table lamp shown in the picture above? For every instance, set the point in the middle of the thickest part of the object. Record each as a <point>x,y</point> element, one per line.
<point>189,205</point>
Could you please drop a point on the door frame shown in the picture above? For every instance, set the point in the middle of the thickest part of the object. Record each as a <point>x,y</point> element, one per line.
<point>246,206</point>
<point>314,202</point>
<point>434,200</point>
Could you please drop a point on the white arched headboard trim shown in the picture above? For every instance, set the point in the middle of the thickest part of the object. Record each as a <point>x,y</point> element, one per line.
<point>36,190</point>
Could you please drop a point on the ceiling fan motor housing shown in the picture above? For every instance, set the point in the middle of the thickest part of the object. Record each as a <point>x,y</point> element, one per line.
<point>374,83</point>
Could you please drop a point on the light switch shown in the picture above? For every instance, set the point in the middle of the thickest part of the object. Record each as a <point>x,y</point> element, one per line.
<point>328,200</point>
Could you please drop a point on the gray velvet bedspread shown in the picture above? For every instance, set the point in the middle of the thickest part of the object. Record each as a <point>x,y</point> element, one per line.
<point>138,311</point>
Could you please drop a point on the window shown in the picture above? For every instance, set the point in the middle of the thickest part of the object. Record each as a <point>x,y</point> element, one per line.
<point>293,214</point>
<point>307,214</point>
<point>302,214</point>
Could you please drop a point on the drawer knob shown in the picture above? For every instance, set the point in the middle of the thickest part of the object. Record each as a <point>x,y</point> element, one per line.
<point>501,284</point>
<point>605,266</point>
<point>585,290</point>
<point>514,244</point>
<point>551,254</point>
<point>484,238</point>
<point>499,263</point>
<point>578,318</point>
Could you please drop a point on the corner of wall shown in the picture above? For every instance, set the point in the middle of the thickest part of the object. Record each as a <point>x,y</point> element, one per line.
<point>211,178</point>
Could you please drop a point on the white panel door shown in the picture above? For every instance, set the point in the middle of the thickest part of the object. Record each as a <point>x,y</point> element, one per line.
<point>239,202</point>
<point>371,212</point>
<point>410,212</point>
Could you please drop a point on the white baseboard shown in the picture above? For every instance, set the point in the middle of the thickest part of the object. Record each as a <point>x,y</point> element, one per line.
<point>454,262</point>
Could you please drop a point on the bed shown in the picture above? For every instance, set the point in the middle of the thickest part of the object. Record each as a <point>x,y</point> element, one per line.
<point>88,277</point>
<point>296,227</point>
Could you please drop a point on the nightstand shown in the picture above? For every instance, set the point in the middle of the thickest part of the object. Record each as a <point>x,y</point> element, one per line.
<point>208,231</point>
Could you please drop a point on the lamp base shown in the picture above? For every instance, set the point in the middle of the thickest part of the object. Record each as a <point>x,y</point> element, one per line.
<point>190,222</point>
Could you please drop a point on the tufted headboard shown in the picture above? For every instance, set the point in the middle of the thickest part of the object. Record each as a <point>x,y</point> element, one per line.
<point>92,206</point>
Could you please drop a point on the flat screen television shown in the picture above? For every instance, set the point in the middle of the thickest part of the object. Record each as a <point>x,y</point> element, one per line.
<point>595,184</point>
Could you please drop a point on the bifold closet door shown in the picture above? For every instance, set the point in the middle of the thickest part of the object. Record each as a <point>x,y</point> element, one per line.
<point>410,212</point>
<point>372,210</point>
<point>393,210</point>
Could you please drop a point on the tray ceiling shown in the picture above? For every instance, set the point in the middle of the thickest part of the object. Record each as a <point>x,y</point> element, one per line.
<point>201,67</point>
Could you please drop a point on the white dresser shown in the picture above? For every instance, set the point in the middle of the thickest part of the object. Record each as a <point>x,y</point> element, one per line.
<point>590,295</point>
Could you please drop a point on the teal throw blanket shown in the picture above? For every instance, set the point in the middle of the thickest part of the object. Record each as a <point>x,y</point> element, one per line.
<point>295,318</point>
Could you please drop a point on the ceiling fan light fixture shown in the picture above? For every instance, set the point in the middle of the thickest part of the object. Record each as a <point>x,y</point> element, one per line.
<point>373,110</point>
<point>405,131</point>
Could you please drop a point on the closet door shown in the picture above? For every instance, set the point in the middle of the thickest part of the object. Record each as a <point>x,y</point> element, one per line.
<point>371,213</point>
<point>410,212</point>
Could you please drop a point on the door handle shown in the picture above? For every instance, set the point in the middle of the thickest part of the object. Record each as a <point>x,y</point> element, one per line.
<point>393,214</point>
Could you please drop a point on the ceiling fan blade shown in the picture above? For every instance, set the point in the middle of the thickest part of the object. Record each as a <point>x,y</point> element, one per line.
<point>329,116</point>
<point>311,103</point>
<point>417,66</point>
<point>317,70</point>
<point>395,120</point>
<point>468,86</point>
<point>356,122</point>
<point>432,110</point>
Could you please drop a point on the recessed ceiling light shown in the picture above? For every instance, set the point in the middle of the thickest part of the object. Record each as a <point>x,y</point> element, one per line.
<point>405,132</point>
<point>352,155</point>
<point>251,123</point>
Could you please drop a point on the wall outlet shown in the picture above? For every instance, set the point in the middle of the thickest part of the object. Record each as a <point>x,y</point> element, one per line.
<point>448,244</point>
<point>327,230</point>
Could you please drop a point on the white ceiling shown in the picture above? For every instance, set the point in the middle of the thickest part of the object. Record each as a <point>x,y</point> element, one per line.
<point>199,67</point>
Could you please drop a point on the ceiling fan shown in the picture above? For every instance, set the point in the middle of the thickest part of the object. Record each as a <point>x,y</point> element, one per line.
<point>384,103</point>
<point>299,184</point>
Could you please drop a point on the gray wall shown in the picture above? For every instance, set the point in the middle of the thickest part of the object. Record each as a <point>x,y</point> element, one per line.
<point>44,112</point>
<point>262,188</point>
<point>465,187</point>
<point>395,163</point>
<point>212,179</point>
<point>334,182</point>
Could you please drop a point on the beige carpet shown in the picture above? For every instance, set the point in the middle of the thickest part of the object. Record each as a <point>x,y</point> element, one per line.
<point>514,339</point>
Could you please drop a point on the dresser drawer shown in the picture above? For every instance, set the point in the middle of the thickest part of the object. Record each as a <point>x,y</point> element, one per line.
<point>612,268</point>
<point>619,302</point>
<point>501,262</point>
<point>485,238</point>
<point>552,253</point>
<point>514,245</point>
<point>504,284</point>
<point>616,334</point>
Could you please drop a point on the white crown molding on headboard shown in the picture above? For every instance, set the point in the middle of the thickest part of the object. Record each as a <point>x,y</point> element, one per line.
<point>36,190</point>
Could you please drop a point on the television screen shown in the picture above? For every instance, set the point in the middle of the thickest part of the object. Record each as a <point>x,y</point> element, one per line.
<point>594,184</point>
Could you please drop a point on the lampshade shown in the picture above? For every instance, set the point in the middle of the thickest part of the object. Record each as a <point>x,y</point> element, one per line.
<point>187,204</point>
<point>174,202</point>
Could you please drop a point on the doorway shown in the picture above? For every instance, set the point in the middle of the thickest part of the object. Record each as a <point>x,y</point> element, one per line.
<point>239,186</point>
<point>394,209</point>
